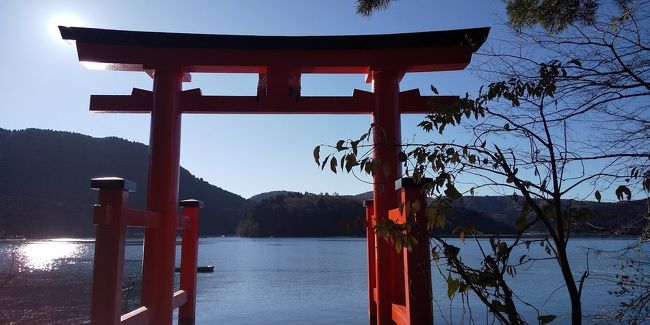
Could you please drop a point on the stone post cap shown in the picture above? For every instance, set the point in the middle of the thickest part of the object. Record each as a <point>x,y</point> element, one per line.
<point>116,183</point>
<point>409,182</point>
<point>190,203</point>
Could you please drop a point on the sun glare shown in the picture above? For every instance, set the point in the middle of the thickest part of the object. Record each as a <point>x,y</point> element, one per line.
<point>45,255</point>
<point>66,19</point>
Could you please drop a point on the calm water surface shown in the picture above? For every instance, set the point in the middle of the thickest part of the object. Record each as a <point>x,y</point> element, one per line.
<point>274,281</point>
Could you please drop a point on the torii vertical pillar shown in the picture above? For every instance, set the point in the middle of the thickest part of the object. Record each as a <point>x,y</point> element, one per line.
<point>387,137</point>
<point>162,195</point>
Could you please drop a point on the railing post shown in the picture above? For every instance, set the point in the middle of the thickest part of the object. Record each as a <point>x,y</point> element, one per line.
<point>417,262</point>
<point>108,266</point>
<point>370,241</point>
<point>189,255</point>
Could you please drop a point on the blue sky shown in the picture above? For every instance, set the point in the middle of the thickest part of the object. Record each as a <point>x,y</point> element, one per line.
<point>44,86</point>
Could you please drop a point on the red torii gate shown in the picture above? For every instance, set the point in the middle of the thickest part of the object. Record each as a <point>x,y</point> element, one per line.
<point>170,58</point>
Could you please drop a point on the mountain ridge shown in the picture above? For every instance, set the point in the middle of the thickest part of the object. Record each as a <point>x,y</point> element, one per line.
<point>45,192</point>
<point>54,168</point>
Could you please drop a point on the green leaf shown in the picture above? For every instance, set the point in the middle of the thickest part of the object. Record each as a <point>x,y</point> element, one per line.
<point>354,145</point>
<point>576,62</point>
<point>324,163</point>
<point>502,250</point>
<point>452,286</point>
<point>339,145</point>
<point>369,167</point>
<point>622,191</point>
<point>317,155</point>
<point>523,217</point>
<point>363,137</point>
<point>452,192</point>
<point>350,161</point>
<point>545,319</point>
<point>452,250</point>
<point>463,287</point>
<point>333,164</point>
<point>434,255</point>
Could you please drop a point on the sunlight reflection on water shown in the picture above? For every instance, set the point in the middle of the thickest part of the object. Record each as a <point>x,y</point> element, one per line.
<point>48,255</point>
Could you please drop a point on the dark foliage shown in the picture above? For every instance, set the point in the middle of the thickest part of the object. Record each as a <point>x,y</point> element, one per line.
<point>589,217</point>
<point>309,215</point>
<point>267,195</point>
<point>553,15</point>
<point>367,7</point>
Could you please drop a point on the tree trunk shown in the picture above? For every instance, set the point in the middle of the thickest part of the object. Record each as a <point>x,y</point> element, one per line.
<point>574,295</point>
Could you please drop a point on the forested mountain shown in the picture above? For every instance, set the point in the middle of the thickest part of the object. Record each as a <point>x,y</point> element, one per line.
<point>592,217</point>
<point>308,215</point>
<point>45,183</point>
<point>45,192</point>
<point>295,214</point>
<point>267,195</point>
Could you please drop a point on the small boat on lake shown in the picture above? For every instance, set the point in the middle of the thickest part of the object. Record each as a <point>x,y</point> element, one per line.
<point>201,269</point>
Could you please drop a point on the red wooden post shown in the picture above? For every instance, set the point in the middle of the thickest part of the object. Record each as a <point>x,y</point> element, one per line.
<point>387,139</point>
<point>417,262</point>
<point>108,266</point>
<point>189,255</point>
<point>162,195</point>
<point>371,246</point>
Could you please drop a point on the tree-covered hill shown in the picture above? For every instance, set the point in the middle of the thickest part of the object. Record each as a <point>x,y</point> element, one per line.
<point>45,192</point>
<point>503,211</point>
<point>296,214</point>
<point>308,215</point>
<point>589,217</point>
<point>45,183</point>
<point>267,195</point>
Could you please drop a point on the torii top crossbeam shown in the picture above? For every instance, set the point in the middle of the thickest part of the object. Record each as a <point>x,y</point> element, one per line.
<point>277,58</point>
<point>410,52</point>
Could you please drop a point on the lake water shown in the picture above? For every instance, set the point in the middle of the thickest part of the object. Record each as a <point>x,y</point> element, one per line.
<point>277,281</point>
